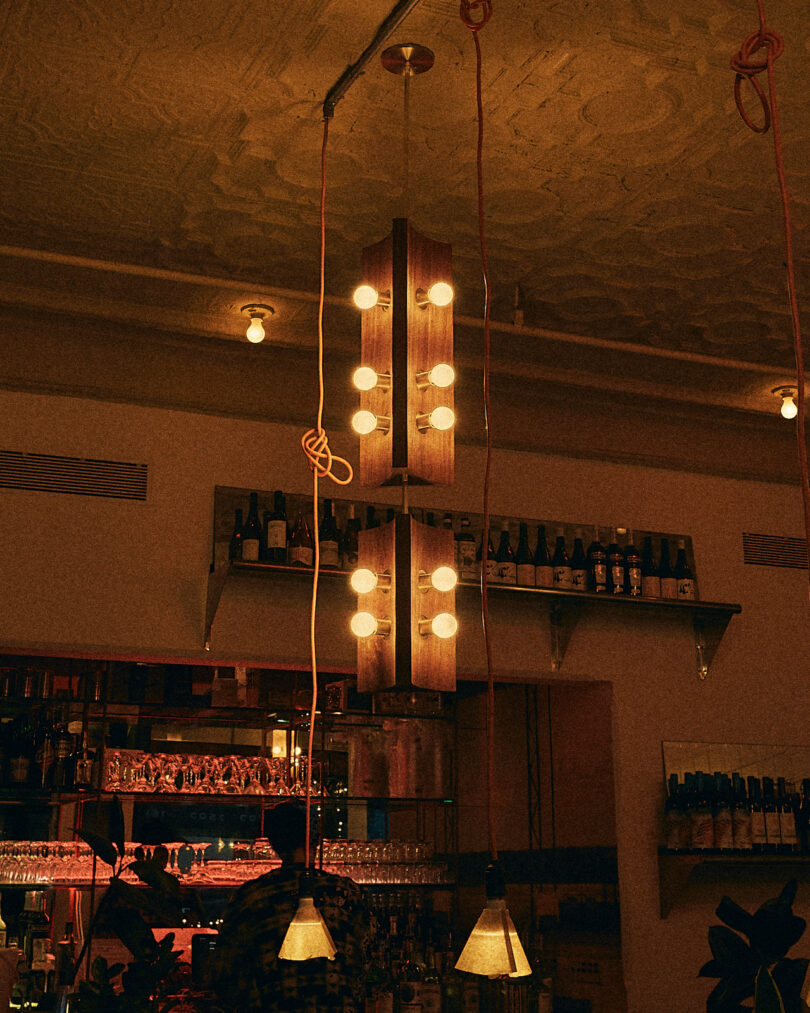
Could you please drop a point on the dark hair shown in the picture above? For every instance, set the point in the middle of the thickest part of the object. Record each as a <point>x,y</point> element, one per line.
<point>285,827</point>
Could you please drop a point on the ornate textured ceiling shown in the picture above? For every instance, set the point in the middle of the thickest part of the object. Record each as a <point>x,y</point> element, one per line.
<point>625,197</point>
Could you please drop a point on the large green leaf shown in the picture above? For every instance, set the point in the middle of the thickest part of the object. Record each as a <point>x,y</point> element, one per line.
<point>733,915</point>
<point>789,975</point>
<point>732,954</point>
<point>774,930</point>
<point>728,993</point>
<point>117,825</point>
<point>766,995</point>
<point>100,846</point>
<point>153,875</point>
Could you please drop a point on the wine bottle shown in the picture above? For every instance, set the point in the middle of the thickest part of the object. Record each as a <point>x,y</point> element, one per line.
<point>507,571</point>
<point>675,836</point>
<point>465,552</point>
<point>490,562</point>
<point>20,755</point>
<point>687,590</point>
<point>669,586</point>
<point>759,835</point>
<point>63,750</point>
<point>615,564</point>
<point>85,770</point>
<point>597,565</point>
<point>701,815</point>
<point>431,984</point>
<point>579,564</point>
<point>266,515</point>
<point>741,815</point>
<point>803,818</point>
<point>722,814</point>
<point>348,544</point>
<point>632,567</point>
<point>561,563</point>
<point>650,580</point>
<point>235,545</point>
<point>34,922</point>
<point>787,817</point>
<point>543,570</point>
<point>66,956</point>
<point>275,534</point>
<point>329,538</point>
<point>252,532</point>
<point>44,757</point>
<point>772,831</point>
<point>299,551</point>
<point>410,981</point>
<point>524,563</point>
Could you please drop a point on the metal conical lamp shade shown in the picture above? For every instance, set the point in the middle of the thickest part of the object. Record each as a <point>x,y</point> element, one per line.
<point>308,936</point>
<point>494,947</point>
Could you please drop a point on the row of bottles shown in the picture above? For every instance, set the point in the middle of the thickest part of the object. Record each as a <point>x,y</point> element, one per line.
<point>42,753</point>
<point>413,967</point>
<point>614,568</point>
<point>43,976</point>
<point>723,813</point>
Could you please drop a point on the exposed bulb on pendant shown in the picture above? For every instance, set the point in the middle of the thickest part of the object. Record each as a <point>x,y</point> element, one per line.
<point>255,332</point>
<point>365,422</point>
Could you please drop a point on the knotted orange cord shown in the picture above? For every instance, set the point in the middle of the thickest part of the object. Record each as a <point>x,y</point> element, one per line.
<point>746,67</point>
<point>315,445</point>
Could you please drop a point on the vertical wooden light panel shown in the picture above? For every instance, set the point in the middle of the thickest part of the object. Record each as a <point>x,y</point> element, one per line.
<point>402,339</point>
<point>406,659</point>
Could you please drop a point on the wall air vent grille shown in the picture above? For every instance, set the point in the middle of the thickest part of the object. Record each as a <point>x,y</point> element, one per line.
<point>76,475</point>
<point>775,550</point>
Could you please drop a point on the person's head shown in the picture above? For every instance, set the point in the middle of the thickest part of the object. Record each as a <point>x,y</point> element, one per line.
<point>285,826</point>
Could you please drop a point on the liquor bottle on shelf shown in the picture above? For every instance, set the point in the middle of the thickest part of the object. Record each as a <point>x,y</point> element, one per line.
<point>701,815</point>
<point>524,563</point>
<point>44,754</point>
<point>722,813</point>
<point>452,980</point>
<point>299,551</point>
<point>677,834</point>
<point>85,769</point>
<point>63,750</point>
<point>579,564</point>
<point>740,815</point>
<point>275,532</point>
<point>431,984</point>
<point>669,586</point>
<point>759,835</point>
<point>507,571</point>
<point>348,544</point>
<point>252,532</point>
<point>490,563</point>
<point>650,580</point>
<point>33,923</point>
<point>772,829</point>
<point>543,570</point>
<point>235,546</point>
<point>561,563</point>
<point>787,817</point>
<point>632,567</point>
<point>615,564</point>
<point>20,755</point>
<point>409,988</point>
<point>597,565</point>
<point>465,552</point>
<point>687,589</point>
<point>803,818</point>
<point>66,956</point>
<point>329,538</point>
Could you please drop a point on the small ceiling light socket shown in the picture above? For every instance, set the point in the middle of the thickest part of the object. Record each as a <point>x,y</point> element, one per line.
<point>787,392</point>
<point>257,312</point>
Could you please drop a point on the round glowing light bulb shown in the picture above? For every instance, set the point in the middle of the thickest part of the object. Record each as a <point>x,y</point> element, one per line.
<point>440,293</point>
<point>363,580</point>
<point>444,578</point>
<point>255,331</point>
<point>444,625</point>
<point>442,417</point>
<point>364,422</point>
<point>789,407</point>
<point>364,378</point>
<point>365,296</point>
<point>363,624</point>
<point>442,375</point>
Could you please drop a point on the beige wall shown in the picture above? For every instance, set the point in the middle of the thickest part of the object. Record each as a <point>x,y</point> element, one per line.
<point>77,572</point>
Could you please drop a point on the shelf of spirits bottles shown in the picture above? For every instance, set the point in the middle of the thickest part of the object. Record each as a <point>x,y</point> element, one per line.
<point>565,607</point>
<point>677,870</point>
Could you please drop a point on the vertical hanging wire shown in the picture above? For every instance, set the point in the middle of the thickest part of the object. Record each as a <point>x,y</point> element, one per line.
<point>406,153</point>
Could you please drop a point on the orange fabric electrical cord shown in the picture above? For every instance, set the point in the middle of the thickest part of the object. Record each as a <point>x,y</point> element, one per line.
<point>745,66</point>
<point>315,445</point>
<point>475,24</point>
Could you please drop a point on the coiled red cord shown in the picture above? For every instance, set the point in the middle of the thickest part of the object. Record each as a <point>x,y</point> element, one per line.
<point>746,67</point>
<point>475,25</point>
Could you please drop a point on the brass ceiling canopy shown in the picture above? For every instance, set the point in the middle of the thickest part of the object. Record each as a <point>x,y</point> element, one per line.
<point>407,59</point>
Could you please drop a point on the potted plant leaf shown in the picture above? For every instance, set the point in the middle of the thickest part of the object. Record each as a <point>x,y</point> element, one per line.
<point>749,957</point>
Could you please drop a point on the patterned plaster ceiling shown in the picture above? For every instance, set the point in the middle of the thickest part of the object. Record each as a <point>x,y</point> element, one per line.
<point>625,197</point>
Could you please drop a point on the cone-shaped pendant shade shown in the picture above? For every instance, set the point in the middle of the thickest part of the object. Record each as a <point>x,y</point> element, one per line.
<point>494,947</point>
<point>308,936</point>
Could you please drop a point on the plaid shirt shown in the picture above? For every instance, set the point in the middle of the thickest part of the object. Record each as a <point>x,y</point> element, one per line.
<point>248,975</point>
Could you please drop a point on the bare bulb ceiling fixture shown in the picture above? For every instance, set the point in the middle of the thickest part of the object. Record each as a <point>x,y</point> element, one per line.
<point>257,313</point>
<point>789,408</point>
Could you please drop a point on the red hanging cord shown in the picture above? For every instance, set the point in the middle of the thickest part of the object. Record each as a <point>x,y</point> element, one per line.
<point>316,447</point>
<point>475,25</point>
<point>746,67</point>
